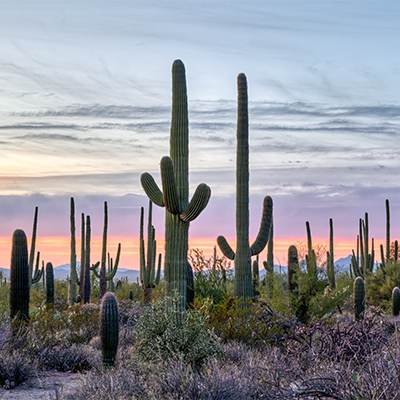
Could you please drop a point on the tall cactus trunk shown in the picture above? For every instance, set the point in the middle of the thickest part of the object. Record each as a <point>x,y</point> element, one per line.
<point>270,262</point>
<point>19,280</point>
<point>243,282</point>
<point>83,257</point>
<point>49,284</point>
<point>387,230</point>
<point>73,276</point>
<point>86,281</point>
<point>103,282</point>
<point>331,258</point>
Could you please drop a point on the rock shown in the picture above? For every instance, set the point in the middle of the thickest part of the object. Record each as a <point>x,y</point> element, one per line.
<point>47,386</point>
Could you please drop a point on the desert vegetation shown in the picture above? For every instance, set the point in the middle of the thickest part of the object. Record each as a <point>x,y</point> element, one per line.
<point>200,327</point>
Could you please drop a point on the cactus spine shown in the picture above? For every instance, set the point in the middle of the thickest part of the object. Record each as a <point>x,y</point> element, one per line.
<point>73,280</point>
<point>19,278</point>
<point>359,298</point>
<point>242,256</point>
<point>331,258</point>
<point>49,284</point>
<point>175,195</point>
<point>148,276</point>
<point>109,328</point>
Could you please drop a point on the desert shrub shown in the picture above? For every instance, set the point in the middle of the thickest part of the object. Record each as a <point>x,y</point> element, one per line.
<point>380,284</point>
<point>71,358</point>
<point>162,333</point>
<point>255,323</point>
<point>15,368</point>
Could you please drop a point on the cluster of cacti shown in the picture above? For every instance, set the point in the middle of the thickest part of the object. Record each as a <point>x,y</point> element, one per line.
<point>109,328</point>
<point>107,271</point>
<point>363,261</point>
<point>174,196</point>
<point>19,279</point>
<point>244,251</point>
<point>149,277</point>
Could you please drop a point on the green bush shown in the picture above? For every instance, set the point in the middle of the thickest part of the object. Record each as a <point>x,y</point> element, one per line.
<point>162,333</point>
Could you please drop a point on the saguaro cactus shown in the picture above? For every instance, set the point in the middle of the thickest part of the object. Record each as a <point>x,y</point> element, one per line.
<point>256,275</point>
<point>244,252</point>
<point>86,277</point>
<point>73,276</point>
<point>109,328</point>
<point>293,272</point>
<point>359,298</point>
<point>83,257</point>
<point>19,277</point>
<point>396,301</point>
<point>175,194</point>
<point>148,276</point>
<point>49,284</point>
<point>330,266</point>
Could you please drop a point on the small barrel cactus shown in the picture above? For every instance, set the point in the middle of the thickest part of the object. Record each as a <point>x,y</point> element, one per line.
<point>49,284</point>
<point>396,301</point>
<point>109,328</point>
<point>19,277</point>
<point>359,298</point>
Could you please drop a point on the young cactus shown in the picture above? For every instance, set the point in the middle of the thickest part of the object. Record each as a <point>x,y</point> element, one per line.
<point>244,252</point>
<point>109,328</point>
<point>359,298</point>
<point>148,276</point>
<point>175,191</point>
<point>396,301</point>
<point>19,278</point>
<point>49,284</point>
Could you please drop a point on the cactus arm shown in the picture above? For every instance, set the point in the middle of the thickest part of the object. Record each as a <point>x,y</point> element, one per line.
<point>171,198</point>
<point>152,190</point>
<point>265,227</point>
<point>114,265</point>
<point>38,272</point>
<point>225,248</point>
<point>197,204</point>
<point>95,269</point>
<point>33,245</point>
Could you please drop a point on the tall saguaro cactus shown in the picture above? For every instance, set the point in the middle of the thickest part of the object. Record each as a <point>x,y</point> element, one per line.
<point>86,275</point>
<point>83,257</point>
<point>330,266</point>
<point>73,275</point>
<point>244,252</point>
<point>179,212</point>
<point>19,277</point>
<point>35,273</point>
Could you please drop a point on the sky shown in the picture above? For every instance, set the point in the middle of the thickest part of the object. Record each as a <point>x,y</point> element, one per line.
<point>85,96</point>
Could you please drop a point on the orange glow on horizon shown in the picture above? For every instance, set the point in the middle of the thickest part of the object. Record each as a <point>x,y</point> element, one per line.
<point>57,248</point>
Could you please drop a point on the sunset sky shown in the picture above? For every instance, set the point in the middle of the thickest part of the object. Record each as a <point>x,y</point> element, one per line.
<point>85,95</point>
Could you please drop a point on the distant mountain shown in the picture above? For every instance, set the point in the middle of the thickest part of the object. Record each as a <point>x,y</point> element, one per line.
<point>343,264</point>
<point>62,271</point>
